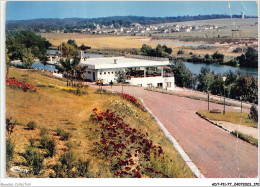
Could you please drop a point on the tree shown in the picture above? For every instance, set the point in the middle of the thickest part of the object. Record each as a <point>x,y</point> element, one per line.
<point>83,47</point>
<point>69,50</point>
<point>24,45</point>
<point>180,52</point>
<point>247,87</point>
<point>167,49</point>
<point>183,76</point>
<point>69,67</point>
<point>27,58</point>
<point>249,59</point>
<point>121,76</point>
<point>43,59</point>
<point>73,43</point>
<point>206,79</point>
<point>7,61</point>
<point>218,57</point>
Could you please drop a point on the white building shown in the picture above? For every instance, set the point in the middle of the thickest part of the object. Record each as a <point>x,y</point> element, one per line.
<point>140,70</point>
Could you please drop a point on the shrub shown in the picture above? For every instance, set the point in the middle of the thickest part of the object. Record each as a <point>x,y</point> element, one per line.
<point>49,144</point>
<point>43,131</point>
<point>253,113</point>
<point>34,160</point>
<point>21,85</point>
<point>64,135</point>
<point>9,150</point>
<point>58,131</point>
<point>31,125</point>
<point>180,52</point>
<point>70,166</point>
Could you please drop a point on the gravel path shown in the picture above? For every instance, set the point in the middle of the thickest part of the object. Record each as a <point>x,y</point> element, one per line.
<point>215,152</point>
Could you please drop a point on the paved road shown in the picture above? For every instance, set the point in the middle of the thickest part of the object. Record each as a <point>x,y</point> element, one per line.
<point>215,152</point>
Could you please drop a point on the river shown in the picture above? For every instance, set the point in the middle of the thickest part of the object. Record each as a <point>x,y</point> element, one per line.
<point>193,67</point>
<point>196,67</point>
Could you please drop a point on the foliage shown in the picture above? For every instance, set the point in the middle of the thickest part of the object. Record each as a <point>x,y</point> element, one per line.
<point>180,52</point>
<point>70,166</point>
<point>68,50</point>
<point>24,45</point>
<point>72,42</point>
<point>69,67</point>
<point>31,125</point>
<point>206,79</point>
<point>27,58</point>
<point>83,47</point>
<point>43,59</point>
<point>21,85</point>
<point>68,24</point>
<point>121,76</point>
<point>127,150</point>
<point>253,113</point>
<point>124,108</point>
<point>48,144</point>
<point>183,76</point>
<point>247,87</point>
<point>246,137</point>
<point>159,51</point>
<point>9,150</point>
<point>64,135</point>
<point>132,99</point>
<point>34,159</point>
<point>218,57</point>
<point>232,117</point>
<point>249,59</point>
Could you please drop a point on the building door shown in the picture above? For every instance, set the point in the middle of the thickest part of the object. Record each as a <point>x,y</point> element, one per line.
<point>94,77</point>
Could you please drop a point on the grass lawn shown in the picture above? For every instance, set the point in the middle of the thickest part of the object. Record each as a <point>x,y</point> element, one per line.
<point>232,117</point>
<point>53,108</point>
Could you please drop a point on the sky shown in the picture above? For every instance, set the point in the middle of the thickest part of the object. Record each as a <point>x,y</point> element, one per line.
<point>24,10</point>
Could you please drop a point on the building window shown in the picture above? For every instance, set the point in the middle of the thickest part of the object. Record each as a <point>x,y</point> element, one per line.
<point>100,73</point>
<point>105,72</point>
<point>108,72</point>
<point>168,84</point>
<point>89,72</point>
<point>149,85</point>
<point>112,72</point>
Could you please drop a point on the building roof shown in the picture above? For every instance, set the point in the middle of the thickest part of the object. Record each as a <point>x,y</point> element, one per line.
<point>122,62</point>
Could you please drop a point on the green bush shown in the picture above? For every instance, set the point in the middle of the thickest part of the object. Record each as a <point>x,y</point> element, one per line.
<point>34,160</point>
<point>180,52</point>
<point>9,150</point>
<point>49,144</point>
<point>64,135</point>
<point>253,113</point>
<point>69,166</point>
<point>31,125</point>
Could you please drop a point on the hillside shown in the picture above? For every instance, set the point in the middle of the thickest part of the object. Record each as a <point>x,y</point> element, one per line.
<point>118,21</point>
<point>70,123</point>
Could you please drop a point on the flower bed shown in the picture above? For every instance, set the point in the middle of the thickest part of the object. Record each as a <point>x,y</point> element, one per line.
<point>132,99</point>
<point>128,151</point>
<point>21,85</point>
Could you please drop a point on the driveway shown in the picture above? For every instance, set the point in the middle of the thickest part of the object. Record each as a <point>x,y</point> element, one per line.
<point>215,152</point>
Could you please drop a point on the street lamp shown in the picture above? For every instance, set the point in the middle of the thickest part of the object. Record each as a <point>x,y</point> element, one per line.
<point>224,79</point>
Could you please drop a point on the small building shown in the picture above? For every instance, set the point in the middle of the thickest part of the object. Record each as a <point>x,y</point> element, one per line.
<point>140,70</point>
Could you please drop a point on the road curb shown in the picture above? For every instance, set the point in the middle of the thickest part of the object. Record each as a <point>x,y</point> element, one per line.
<point>176,145</point>
<point>216,124</point>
